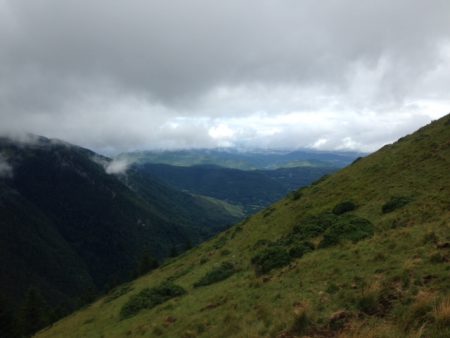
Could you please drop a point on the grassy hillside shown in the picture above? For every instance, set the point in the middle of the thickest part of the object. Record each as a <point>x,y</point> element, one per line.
<point>363,253</point>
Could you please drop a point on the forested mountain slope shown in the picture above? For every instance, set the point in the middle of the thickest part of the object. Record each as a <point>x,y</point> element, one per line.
<point>70,230</point>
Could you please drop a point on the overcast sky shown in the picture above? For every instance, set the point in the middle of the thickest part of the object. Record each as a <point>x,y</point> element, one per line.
<point>145,74</point>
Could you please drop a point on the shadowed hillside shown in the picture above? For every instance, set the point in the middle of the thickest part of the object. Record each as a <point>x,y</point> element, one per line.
<point>70,230</point>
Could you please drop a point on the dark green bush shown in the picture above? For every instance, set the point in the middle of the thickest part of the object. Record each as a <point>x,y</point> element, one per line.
<point>225,252</point>
<point>270,258</point>
<point>299,250</point>
<point>395,203</point>
<point>350,228</point>
<point>368,303</point>
<point>437,257</point>
<point>268,212</point>
<point>295,195</point>
<point>430,237</point>
<point>262,243</point>
<point>314,226</point>
<point>220,242</point>
<point>218,274</point>
<point>150,297</point>
<point>344,207</point>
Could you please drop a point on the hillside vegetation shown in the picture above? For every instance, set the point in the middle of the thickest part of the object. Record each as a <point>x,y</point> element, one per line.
<point>70,230</point>
<point>362,253</point>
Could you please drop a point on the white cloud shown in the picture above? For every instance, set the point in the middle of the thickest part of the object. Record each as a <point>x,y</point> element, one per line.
<point>221,131</point>
<point>118,166</point>
<point>6,170</point>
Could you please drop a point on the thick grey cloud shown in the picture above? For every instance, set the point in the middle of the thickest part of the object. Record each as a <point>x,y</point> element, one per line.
<point>133,74</point>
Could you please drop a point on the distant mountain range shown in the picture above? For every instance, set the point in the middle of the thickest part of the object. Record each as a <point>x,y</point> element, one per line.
<point>250,190</point>
<point>245,160</point>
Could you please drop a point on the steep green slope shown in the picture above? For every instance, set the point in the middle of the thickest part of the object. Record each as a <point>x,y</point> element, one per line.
<point>379,268</point>
<point>69,229</point>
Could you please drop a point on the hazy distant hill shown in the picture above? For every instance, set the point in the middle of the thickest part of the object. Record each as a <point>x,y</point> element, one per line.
<point>362,253</point>
<point>246,160</point>
<point>251,190</point>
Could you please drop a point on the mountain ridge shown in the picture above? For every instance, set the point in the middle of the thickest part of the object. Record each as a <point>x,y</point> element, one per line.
<point>245,160</point>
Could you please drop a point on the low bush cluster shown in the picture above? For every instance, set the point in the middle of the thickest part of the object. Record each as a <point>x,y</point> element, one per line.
<point>335,227</point>
<point>395,203</point>
<point>270,258</point>
<point>351,228</point>
<point>314,226</point>
<point>300,249</point>
<point>222,272</point>
<point>344,207</point>
<point>295,195</point>
<point>150,297</point>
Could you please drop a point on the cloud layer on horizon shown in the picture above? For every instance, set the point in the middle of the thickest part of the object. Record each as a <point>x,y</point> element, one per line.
<point>258,73</point>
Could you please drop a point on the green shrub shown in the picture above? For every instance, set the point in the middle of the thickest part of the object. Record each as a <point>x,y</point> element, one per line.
<point>368,303</point>
<point>218,274</point>
<point>262,243</point>
<point>350,228</point>
<point>437,257</point>
<point>344,207</point>
<point>225,252</point>
<point>395,203</point>
<point>299,250</point>
<point>150,297</point>
<point>295,195</point>
<point>314,226</point>
<point>220,242</point>
<point>430,237</point>
<point>270,258</point>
